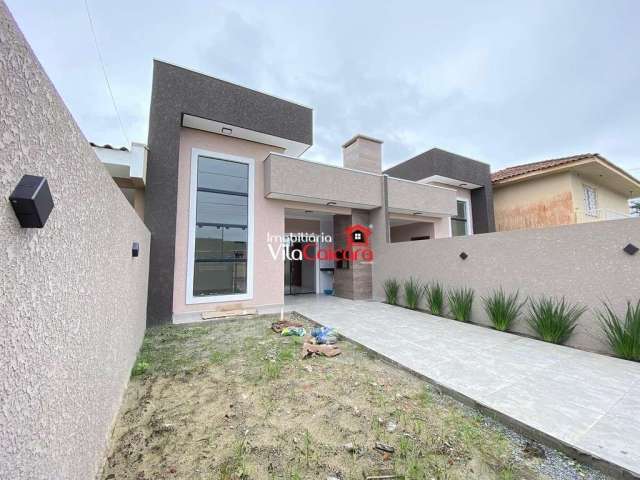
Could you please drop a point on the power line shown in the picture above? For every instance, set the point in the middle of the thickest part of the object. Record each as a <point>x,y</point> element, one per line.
<point>104,71</point>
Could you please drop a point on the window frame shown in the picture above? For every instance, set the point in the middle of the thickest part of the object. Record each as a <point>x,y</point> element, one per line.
<point>593,212</point>
<point>467,219</point>
<point>193,195</point>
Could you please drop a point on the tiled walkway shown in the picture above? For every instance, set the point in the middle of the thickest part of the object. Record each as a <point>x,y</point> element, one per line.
<point>590,402</point>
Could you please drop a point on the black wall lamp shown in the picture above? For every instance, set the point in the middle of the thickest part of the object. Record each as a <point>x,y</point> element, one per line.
<point>631,249</point>
<point>135,249</point>
<point>463,255</point>
<point>31,201</point>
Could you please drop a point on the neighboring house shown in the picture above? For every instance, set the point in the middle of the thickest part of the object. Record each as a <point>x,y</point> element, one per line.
<point>470,178</point>
<point>562,191</point>
<point>128,167</point>
<point>224,180</point>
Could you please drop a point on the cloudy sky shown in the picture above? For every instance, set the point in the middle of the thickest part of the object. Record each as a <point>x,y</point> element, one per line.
<point>504,82</point>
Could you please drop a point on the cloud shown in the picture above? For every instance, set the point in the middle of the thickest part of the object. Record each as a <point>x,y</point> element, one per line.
<point>503,82</point>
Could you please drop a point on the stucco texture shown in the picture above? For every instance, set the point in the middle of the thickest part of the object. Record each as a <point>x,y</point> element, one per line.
<point>585,263</point>
<point>72,298</point>
<point>540,202</point>
<point>607,199</point>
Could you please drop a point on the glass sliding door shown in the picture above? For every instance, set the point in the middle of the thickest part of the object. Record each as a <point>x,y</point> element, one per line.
<point>299,275</point>
<point>221,195</point>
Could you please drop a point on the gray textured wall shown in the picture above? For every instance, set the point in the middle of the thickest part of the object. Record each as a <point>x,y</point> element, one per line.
<point>447,164</point>
<point>301,178</point>
<point>72,299</point>
<point>583,262</point>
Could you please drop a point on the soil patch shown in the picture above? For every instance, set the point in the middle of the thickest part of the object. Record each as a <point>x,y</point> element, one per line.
<point>235,400</point>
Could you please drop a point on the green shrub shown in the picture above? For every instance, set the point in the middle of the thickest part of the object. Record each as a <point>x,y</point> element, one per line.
<point>502,309</point>
<point>434,296</point>
<point>140,367</point>
<point>391,290</point>
<point>554,319</point>
<point>623,334</point>
<point>412,293</point>
<point>460,303</point>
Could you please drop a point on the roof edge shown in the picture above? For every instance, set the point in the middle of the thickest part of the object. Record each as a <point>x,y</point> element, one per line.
<point>364,137</point>
<point>199,72</point>
<point>563,163</point>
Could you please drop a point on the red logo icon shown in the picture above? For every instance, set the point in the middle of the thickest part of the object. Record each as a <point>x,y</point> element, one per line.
<point>357,236</point>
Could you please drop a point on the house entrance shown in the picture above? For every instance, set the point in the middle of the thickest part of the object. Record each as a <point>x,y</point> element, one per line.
<point>300,274</point>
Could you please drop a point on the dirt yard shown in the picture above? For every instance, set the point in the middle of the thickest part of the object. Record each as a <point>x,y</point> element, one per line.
<point>234,400</point>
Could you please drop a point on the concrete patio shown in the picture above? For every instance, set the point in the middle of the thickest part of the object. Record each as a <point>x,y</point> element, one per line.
<point>584,403</point>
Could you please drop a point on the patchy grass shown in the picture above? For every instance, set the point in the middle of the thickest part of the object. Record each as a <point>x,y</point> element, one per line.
<point>235,401</point>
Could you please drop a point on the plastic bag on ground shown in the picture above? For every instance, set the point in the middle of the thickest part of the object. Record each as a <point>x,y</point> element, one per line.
<point>325,335</point>
<point>293,332</point>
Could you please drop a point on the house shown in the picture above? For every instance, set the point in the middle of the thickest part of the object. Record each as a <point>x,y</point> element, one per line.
<point>562,191</point>
<point>128,167</point>
<point>470,178</point>
<point>238,218</point>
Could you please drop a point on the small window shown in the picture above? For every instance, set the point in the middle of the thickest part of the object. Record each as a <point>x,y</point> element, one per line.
<point>459,223</point>
<point>590,201</point>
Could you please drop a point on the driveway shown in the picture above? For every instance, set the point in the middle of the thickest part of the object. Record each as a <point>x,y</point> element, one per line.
<point>584,401</point>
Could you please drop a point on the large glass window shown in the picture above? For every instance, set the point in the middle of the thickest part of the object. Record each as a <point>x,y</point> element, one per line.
<point>221,228</point>
<point>459,223</point>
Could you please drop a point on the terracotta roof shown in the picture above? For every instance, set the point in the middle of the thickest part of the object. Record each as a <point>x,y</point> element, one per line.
<point>517,170</point>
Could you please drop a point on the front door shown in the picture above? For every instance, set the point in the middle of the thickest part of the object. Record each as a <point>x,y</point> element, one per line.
<point>300,274</point>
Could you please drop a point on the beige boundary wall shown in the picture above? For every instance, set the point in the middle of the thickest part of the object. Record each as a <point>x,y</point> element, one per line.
<point>583,262</point>
<point>72,298</point>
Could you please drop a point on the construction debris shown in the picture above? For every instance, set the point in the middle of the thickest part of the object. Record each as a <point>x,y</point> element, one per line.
<point>383,474</point>
<point>293,332</point>
<point>309,350</point>
<point>324,335</point>
<point>349,447</point>
<point>224,312</point>
<point>279,326</point>
<point>383,447</point>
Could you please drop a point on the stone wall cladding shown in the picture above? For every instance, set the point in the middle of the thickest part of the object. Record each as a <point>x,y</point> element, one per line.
<point>72,298</point>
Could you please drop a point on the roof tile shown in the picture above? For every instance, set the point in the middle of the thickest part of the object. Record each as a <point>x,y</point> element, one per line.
<point>517,170</point>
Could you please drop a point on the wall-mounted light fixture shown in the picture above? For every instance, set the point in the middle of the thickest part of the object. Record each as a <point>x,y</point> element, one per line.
<point>135,249</point>
<point>331,203</point>
<point>631,249</point>
<point>226,131</point>
<point>463,255</point>
<point>31,201</point>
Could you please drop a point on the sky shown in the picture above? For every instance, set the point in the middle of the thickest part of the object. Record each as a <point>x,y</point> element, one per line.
<point>504,82</point>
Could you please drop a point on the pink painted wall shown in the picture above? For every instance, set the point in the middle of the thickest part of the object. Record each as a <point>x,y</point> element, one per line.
<point>268,274</point>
